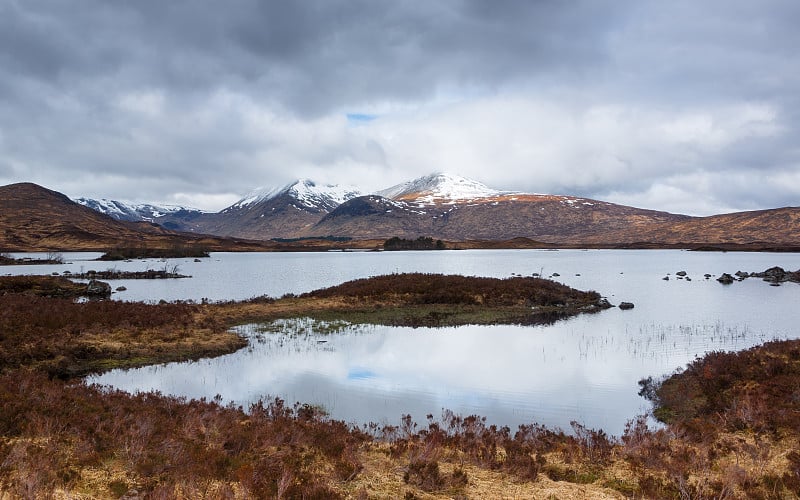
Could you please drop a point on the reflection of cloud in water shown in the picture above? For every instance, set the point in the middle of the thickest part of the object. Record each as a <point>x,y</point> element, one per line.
<point>550,374</point>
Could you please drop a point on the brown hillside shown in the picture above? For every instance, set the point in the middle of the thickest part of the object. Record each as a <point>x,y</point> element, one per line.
<point>778,227</point>
<point>33,218</point>
<point>545,218</point>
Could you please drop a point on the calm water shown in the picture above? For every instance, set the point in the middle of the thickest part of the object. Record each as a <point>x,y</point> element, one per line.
<point>584,369</point>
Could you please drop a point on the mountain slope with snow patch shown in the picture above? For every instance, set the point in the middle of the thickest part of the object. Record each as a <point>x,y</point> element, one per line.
<point>439,188</point>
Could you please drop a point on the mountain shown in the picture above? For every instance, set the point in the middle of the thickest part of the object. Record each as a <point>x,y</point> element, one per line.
<point>171,217</point>
<point>267,213</point>
<point>35,218</point>
<point>502,216</point>
<point>263,214</point>
<point>439,188</point>
<point>134,212</point>
<point>454,208</point>
<point>303,193</point>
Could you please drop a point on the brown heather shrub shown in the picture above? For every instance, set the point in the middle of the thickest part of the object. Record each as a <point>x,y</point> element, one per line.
<point>51,429</point>
<point>469,439</point>
<point>419,288</point>
<point>752,395</point>
<point>65,337</point>
<point>756,389</point>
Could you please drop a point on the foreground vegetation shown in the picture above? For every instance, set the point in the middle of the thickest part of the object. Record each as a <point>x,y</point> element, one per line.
<point>732,420</point>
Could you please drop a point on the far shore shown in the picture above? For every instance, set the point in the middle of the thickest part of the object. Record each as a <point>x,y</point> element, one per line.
<point>345,245</point>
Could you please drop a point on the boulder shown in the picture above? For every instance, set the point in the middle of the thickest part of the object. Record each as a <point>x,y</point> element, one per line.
<point>603,303</point>
<point>725,279</point>
<point>97,288</point>
<point>681,273</point>
<point>774,274</point>
<point>626,305</point>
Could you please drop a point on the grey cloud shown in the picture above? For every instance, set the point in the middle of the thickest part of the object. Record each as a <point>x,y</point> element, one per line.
<point>295,66</point>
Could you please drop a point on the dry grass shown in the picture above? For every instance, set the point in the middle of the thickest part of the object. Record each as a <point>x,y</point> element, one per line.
<point>382,477</point>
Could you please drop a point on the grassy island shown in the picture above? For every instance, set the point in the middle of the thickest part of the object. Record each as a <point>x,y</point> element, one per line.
<point>731,426</point>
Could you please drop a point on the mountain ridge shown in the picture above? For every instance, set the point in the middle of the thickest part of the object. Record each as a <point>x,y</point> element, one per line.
<point>453,208</point>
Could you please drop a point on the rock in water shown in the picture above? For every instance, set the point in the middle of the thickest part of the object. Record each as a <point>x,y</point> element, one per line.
<point>725,279</point>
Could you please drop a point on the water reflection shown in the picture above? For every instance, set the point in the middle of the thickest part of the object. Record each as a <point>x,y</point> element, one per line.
<point>510,374</point>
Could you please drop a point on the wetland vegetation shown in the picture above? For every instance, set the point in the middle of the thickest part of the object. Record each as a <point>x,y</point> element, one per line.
<point>730,426</point>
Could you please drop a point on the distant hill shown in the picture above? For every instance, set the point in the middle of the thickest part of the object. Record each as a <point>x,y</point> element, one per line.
<point>134,212</point>
<point>35,218</point>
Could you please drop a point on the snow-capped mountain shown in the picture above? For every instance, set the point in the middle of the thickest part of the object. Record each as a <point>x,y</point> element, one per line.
<point>121,210</point>
<point>439,188</point>
<point>440,205</point>
<point>306,192</point>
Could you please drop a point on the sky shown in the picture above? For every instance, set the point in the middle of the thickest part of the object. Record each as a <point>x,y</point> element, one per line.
<point>684,106</point>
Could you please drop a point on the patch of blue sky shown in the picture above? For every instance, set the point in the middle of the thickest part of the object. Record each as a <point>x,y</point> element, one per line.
<point>360,118</point>
<point>360,374</point>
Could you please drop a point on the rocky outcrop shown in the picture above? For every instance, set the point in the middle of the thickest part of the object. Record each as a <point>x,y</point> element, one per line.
<point>98,289</point>
<point>778,275</point>
<point>774,275</point>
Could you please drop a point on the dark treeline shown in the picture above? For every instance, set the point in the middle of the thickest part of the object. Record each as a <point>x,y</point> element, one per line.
<point>421,243</point>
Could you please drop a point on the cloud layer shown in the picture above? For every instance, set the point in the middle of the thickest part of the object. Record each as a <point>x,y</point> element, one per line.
<point>677,106</point>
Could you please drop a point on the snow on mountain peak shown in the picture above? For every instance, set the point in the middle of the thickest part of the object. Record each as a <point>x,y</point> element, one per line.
<point>439,187</point>
<point>124,210</point>
<point>305,191</point>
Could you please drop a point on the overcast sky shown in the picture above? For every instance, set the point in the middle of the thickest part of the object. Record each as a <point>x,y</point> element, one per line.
<point>679,105</point>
